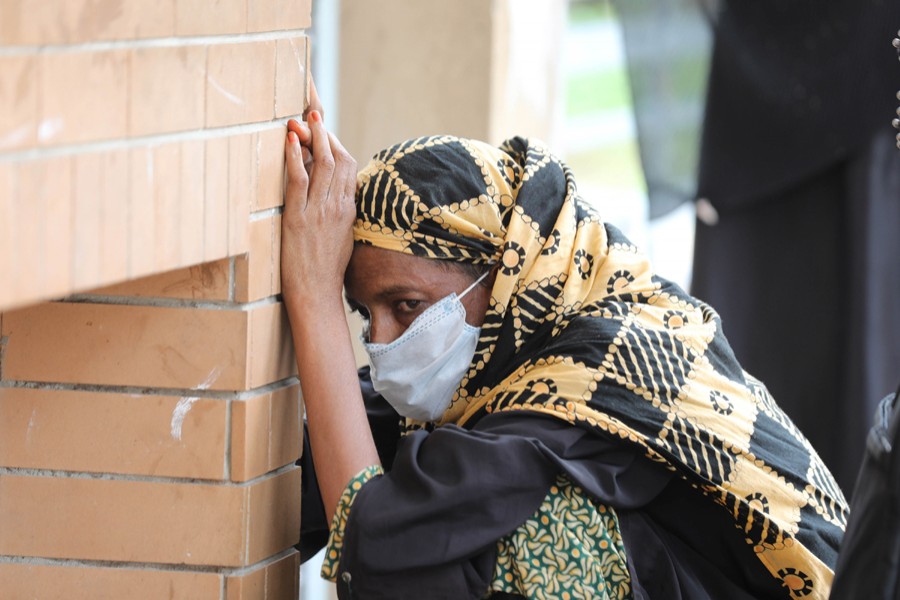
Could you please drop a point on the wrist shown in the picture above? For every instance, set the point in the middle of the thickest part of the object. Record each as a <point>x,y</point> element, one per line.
<point>316,313</point>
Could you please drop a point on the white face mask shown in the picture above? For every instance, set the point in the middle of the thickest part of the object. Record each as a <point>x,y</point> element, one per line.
<point>419,372</point>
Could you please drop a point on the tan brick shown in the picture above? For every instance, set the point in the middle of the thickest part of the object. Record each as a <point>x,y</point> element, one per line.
<point>215,211</point>
<point>262,16</point>
<point>42,218</point>
<point>29,251</point>
<point>87,199</point>
<point>271,349</point>
<point>207,281</point>
<point>290,76</point>
<point>59,237</point>
<point>270,161</point>
<point>285,427</point>
<point>91,583</point>
<point>83,96</point>
<point>274,581</point>
<point>180,348</point>
<point>278,15</point>
<point>8,227</point>
<point>168,212</point>
<point>240,83</point>
<point>42,22</point>
<point>166,204</point>
<point>241,189</point>
<point>180,523</point>
<point>99,224</point>
<point>151,19</point>
<point>258,273</point>
<point>167,89</point>
<point>192,201</point>
<point>250,437</point>
<point>142,221</point>
<point>19,99</point>
<point>208,17</point>
<point>152,435</point>
<point>282,578</point>
<point>294,14</point>
<point>274,508</point>
<point>114,210</point>
<point>265,433</point>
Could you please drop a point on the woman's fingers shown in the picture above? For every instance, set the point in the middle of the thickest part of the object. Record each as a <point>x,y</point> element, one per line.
<point>322,160</point>
<point>345,172</point>
<point>314,103</point>
<point>302,131</point>
<point>298,179</point>
<point>329,172</point>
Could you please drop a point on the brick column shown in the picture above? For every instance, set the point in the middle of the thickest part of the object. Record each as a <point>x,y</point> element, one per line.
<point>149,413</point>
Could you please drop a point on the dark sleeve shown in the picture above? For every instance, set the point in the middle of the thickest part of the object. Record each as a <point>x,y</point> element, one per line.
<point>385,425</point>
<point>432,521</point>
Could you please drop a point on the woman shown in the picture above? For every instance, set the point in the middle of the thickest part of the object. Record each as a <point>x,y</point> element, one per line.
<point>575,426</point>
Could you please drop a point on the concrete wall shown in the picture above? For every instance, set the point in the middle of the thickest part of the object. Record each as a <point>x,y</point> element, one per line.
<point>485,69</point>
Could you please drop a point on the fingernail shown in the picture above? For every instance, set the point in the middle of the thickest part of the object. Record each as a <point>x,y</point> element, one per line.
<point>314,116</point>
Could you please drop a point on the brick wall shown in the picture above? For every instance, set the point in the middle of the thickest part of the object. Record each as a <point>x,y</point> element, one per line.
<point>149,413</point>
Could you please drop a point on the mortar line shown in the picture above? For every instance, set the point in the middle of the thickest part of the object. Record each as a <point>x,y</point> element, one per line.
<point>232,271</point>
<point>226,475</point>
<point>266,213</point>
<point>147,566</point>
<point>157,302</point>
<point>156,42</point>
<point>130,477</point>
<point>4,339</point>
<point>154,391</point>
<point>143,141</point>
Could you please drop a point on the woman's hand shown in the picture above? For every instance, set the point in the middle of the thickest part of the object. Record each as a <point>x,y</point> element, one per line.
<point>319,211</point>
<point>316,243</point>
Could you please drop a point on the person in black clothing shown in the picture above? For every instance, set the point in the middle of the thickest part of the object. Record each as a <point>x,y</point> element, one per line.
<point>801,252</point>
<point>543,416</point>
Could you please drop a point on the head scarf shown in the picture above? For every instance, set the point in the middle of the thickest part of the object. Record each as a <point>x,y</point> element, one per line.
<point>579,328</point>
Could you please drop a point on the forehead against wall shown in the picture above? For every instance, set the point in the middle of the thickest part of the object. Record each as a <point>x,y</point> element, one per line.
<point>149,413</point>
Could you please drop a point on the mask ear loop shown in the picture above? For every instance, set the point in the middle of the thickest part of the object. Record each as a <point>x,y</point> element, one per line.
<point>476,282</point>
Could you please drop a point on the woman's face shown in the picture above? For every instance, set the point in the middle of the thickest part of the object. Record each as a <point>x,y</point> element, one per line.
<point>390,289</point>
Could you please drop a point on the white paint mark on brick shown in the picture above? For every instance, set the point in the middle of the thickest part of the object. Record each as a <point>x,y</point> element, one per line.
<point>223,91</point>
<point>30,426</point>
<point>49,128</point>
<point>15,137</point>
<point>181,410</point>
<point>186,403</point>
<point>301,60</point>
<point>211,378</point>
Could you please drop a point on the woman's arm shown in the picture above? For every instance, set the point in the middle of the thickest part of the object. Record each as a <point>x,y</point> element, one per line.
<point>316,245</point>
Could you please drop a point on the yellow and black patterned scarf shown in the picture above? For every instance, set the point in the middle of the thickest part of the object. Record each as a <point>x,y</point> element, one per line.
<point>581,329</point>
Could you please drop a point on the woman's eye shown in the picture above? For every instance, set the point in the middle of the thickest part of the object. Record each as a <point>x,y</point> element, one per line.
<point>361,311</point>
<point>409,306</point>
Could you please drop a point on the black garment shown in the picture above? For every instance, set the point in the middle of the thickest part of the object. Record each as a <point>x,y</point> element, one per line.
<point>869,563</point>
<point>807,285</point>
<point>428,528</point>
<point>798,159</point>
<point>794,87</point>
